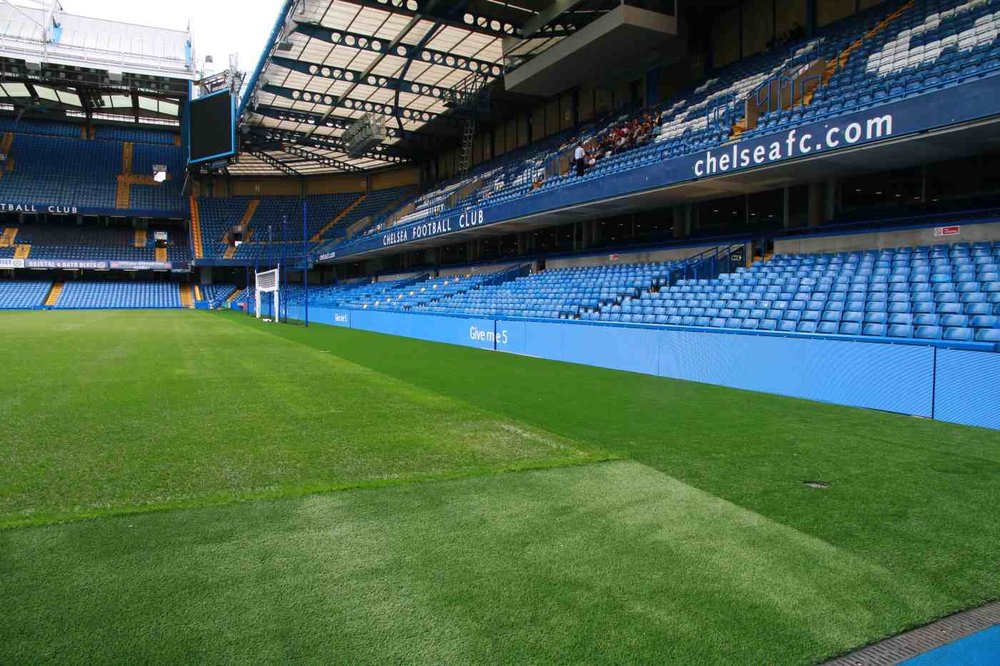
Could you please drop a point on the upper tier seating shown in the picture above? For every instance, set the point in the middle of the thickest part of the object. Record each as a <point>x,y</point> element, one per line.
<point>50,164</point>
<point>928,45</point>
<point>931,293</point>
<point>137,135</point>
<point>50,170</point>
<point>934,44</point>
<point>23,295</point>
<point>101,132</point>
<point>119,295</point>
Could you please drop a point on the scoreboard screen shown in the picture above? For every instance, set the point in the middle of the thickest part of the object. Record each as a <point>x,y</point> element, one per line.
<point>212,131</point>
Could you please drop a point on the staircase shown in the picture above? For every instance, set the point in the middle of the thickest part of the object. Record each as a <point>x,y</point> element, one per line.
<point>53,298</point>
<point>199,250</point>
<point>845,55</point>
<point>126,179</point>
<point>739,127</point>
<point>22,251</point>
<point>186,300</point>
<point>197,293</point>
<point>5,146</point>
<point>249,212</point>
<point>140,238</point>
<point>332,223</point>
<point>233,296</point>
<point>7,239</point>
<point>161,254</point>
<point>123,194</point>
<point>128,153</point>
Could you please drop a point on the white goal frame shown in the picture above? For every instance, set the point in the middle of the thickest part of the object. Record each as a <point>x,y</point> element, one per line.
<point>268,282</point>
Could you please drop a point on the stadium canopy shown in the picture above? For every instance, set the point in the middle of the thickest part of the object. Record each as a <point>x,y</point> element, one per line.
<point>415,62</point>
<point>56,63</point>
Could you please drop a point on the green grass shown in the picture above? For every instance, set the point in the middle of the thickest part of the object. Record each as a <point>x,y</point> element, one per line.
<point>704,547</point>
<point>119,411</point>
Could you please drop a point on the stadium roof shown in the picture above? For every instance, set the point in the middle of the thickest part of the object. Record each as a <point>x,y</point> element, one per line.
<point>57,62</point>
<point>331,61</point>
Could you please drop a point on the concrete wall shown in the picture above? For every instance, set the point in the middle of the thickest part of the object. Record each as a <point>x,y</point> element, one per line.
<point>969,233</point>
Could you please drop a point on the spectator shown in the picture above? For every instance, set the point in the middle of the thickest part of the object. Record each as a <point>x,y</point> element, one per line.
<point>579,158</point>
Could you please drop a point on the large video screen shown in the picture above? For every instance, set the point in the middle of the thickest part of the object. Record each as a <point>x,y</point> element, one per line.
<point>212,133</point>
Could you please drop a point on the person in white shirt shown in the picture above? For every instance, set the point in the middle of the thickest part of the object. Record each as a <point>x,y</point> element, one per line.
<point>579,156</point>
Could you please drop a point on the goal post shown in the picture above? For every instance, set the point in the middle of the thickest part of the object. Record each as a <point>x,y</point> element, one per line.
<point>267,282</point>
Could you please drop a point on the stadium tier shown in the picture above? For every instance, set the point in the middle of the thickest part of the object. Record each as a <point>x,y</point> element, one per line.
<point>561,293</point>
<point>940,293</point>
<point>49,167</point>
<point>119,295</point>
<point>58,244</point>
<point>895,50</point>
<point>216,295</point>
<point>23,295</point>
<point>274,221</point>
<point>929,293</point>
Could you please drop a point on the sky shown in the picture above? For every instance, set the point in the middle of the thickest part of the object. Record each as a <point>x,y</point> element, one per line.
<point>218,27</point>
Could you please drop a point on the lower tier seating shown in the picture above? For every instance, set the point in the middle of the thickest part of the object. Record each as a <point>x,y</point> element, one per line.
<point>217,294</point>
<point>931,293</point>
<point>23,295</point>
<point>119,295</point>
<point>562,293</point>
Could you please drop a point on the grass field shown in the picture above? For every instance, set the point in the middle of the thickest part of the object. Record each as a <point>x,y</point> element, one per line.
<point>490,508</point>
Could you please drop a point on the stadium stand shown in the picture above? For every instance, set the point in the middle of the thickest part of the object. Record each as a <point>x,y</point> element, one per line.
<point>935,293</point>
<point>23,295</point>
<point>928,293</point>
<point>119,295</point>
<point>561,293</point>
<point>886,53</point>
<point>216,295</point>
<point>67,242</point>
<point>329,218</point>
<point>43,167</point>
<point>47,170</point>
<point>136,135</point>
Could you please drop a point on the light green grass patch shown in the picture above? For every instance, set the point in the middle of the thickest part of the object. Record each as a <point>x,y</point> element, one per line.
<point>124,411</point>
<point>596,564</point>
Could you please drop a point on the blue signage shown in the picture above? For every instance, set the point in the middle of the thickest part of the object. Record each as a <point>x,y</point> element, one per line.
<point>969,101</point>
<point>40,208</point>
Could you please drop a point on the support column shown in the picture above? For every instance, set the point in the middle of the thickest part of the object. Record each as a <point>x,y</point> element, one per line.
<point>786,213</point>
<point>682,220</point>
<point>816,208</point>
<point>831,203</point>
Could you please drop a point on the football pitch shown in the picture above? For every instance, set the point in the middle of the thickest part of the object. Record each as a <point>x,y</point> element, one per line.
<point>199,487</point>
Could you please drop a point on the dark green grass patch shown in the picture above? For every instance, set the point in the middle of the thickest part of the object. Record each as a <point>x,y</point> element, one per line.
<point>612,563</point>
<point>123,411</point>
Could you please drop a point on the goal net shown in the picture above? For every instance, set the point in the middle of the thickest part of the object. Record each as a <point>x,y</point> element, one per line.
<point>267,288</point>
